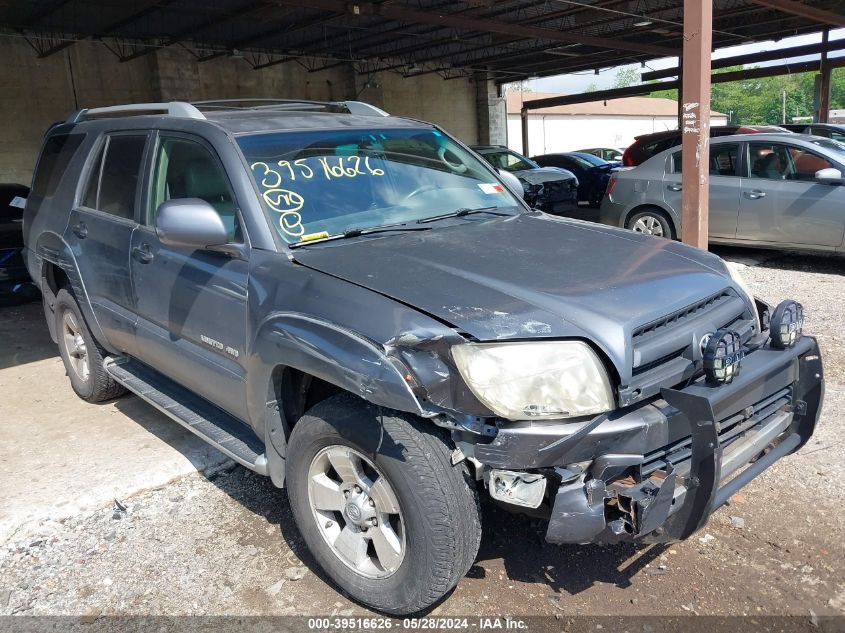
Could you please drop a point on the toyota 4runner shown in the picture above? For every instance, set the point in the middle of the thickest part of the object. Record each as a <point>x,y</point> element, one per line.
<point>358,307</point>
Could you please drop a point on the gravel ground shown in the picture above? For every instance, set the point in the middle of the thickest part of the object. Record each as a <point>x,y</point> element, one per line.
<point>226,544</point>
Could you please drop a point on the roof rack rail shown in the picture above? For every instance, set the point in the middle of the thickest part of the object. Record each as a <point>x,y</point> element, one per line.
<point>352,107</point>
<point>173,108</point>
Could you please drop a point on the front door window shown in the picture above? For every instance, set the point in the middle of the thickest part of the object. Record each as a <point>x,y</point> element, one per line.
<point>187,169</point>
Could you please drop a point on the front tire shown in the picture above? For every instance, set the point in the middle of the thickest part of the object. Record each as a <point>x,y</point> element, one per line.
<point>381,507</point>
<point>81,354</point>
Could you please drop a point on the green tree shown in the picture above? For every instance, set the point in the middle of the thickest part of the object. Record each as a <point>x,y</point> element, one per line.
<point>626,77</point>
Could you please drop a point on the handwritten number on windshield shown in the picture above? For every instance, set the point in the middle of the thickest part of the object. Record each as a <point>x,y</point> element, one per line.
<point>289,203</point>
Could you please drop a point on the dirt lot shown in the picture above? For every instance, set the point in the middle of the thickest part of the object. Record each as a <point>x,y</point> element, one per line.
<point>226,543</point>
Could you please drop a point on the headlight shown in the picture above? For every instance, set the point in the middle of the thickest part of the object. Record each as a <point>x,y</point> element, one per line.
<point>535,380</point>
<point>733,269</point>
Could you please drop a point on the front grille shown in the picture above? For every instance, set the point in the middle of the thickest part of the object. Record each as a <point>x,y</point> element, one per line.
<point>729,429</point>
<point>671,344</point>
<point>678,317</point>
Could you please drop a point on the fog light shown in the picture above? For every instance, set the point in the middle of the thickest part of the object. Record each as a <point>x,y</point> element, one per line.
<point>521,489</point>
<point>723,355</point>
<point>786,324</point>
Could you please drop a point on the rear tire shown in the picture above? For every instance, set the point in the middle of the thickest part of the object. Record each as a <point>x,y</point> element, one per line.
<point>435,529</point>
<point>81,354</point>
<point>651,222</point>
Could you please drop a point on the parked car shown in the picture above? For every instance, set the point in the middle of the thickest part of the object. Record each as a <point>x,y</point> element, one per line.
<point>647,145</point>
<point>356,306</point>
<point>551,190</point>
<point>610,154</point>
<point>15,284</point>
<point>827,130</point>
<point>775,190</point>
<point>592,172</point>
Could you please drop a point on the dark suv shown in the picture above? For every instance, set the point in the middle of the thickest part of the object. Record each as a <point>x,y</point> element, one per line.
<point>356,306</point>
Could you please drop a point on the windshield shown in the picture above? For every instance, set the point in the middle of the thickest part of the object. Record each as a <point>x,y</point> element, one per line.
<point>592,159</point>
<point>321,183</point>
<point>588,160</point>
<point>836,147</point>
<point>509,161</point>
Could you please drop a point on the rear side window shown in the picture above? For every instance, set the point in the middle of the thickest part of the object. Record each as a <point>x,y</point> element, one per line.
<point>57,152</point>
<point>113,180</point>
<point>723,159</point>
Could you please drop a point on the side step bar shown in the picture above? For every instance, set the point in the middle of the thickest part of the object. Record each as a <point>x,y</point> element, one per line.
<point>227,434</point>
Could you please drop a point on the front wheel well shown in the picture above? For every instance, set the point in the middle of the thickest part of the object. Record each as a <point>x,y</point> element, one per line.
<point>657,211</point>
<point>296,392</point>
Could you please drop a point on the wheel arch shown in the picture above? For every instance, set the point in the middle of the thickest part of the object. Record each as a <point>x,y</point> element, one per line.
<point>56,267</point>
<point>299,360</point>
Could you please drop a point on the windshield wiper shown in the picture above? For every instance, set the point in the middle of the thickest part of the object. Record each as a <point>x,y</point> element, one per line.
<point>356,232</point>
<point>461,213</point>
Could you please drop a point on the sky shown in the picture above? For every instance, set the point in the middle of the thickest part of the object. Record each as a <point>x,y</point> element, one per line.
<point>579,82</point>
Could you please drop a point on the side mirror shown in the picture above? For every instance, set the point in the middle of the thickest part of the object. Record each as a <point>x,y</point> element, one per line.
<point>512,182</point>
<point>829,175</point>
<point>190,222</point>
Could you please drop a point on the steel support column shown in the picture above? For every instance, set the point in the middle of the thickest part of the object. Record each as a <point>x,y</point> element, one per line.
<point>523,115</point>
<point>695,130</point>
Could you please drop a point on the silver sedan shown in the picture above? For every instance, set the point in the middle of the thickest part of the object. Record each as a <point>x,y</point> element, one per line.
<point>766,190</point>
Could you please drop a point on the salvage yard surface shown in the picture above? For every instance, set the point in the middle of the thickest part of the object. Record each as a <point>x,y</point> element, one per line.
<point>224,542</point>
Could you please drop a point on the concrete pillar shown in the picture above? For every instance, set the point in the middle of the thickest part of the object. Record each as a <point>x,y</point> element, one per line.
<point>491,111</point>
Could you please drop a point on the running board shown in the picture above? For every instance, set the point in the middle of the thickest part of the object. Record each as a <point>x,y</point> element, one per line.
<point>224,432</point>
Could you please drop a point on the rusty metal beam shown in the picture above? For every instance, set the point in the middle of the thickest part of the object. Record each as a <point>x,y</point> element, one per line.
<point>275,31</point>
<point>179,36</point>
<point>799,8</point>
<point>446,20</point>
<point>140,10</point>
<point>695,113</point>
<point>753,58</point>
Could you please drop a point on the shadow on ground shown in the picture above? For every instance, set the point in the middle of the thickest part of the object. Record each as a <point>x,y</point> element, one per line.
<point>514,539</point>
<point>782,260</point>
<point>24,337</point>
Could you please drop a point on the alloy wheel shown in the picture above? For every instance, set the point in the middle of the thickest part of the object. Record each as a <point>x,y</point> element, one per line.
<point>649,225</point>
<point>75,347</point>
<point>356,511</point>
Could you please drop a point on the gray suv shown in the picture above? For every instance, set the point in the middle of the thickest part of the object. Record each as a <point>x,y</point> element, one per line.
<point>356,306</point>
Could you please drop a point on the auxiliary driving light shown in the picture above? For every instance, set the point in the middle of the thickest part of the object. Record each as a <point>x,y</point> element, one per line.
<point>723,355</point>
<point>786,324</point>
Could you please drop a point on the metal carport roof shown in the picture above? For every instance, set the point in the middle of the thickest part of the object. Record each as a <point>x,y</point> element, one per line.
<point>511,39</point>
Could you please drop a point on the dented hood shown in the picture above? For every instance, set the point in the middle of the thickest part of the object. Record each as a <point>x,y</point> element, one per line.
<point>528,276</point>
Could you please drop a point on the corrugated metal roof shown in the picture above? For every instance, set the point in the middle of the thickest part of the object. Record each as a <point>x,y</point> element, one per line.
<point>624,106</point>
<point>510,39</point>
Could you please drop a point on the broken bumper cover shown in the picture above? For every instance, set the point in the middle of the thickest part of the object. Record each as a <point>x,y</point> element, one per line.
<point>658,471</point>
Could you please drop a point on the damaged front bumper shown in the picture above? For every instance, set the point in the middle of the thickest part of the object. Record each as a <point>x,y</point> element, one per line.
<point>656,472</point>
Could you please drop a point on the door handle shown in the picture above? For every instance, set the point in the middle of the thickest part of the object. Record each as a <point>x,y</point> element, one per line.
<point>142,253</point>
<point>674,187</point>
<point>80,230</point>
<point>754,194</point>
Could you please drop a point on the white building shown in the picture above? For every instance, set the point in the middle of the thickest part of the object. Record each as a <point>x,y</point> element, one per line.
<point>611,123</point>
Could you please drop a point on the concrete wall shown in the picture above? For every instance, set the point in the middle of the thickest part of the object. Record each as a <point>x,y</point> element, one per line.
<point>35,93</point>
<point>450,104</point>
<point>565,133</point>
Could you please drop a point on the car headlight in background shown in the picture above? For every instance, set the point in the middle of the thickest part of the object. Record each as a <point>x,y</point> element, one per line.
<point>535,380</point>
<point>733,269</point>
